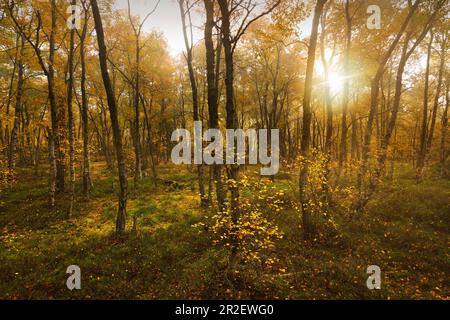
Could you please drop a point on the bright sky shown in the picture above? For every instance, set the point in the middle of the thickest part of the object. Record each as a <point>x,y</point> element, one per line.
<point>166,19</point>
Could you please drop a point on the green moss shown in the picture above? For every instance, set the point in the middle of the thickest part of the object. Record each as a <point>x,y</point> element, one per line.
<point>405,231</point>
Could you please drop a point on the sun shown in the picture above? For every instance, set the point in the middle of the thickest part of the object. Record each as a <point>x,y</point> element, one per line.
<point>336,83</point>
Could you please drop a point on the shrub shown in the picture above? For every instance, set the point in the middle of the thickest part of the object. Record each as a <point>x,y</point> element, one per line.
<point>252,232</point>
<point>6,177</point>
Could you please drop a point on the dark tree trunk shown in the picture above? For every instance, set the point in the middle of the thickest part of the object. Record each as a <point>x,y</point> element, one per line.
<point>329,111</point>
<point>70,66</point>
<point>444,130</point>
<point>84,113</point>
<point>355,147</point>
<point>57,110</point>
<point>121,215</point>
<point>307,116</point>
<point>203,198</point>
<point>231,120</point>
<point>345,101</point>
<point>212,67</point>
<point>52,170</point>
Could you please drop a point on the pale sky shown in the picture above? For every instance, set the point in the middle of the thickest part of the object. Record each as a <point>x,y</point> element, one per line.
<point>166,19</point>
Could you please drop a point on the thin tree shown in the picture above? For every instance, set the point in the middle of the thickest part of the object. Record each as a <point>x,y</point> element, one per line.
<point>307,117</point>
<point>185,10</point>
<point>70,81</point>
<point>421,153</point>
<point>444,130</point>
<point>212,75</point>
<point>84,106</point>
<point>121,214</point>
<point>438,91</point>
<point>230,40</point>
<point>326,63</point>
<point>346,90</point>
<point>18,105</point>
<point>137,30</point>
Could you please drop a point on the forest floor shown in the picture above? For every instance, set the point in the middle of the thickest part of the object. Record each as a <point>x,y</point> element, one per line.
<point>405,231</point>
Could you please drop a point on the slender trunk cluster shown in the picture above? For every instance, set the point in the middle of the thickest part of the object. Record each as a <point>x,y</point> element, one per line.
<point>382,154</point>
<point>359,204</point>
<point>429,124</point>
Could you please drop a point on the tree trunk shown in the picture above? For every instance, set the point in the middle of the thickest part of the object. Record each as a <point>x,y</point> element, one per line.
<point>150,142</point>
<point>137,138</point>
<point>52,170</point>
<point>307,115</point>
<point>329,113</point>
<point>121,215</point>
<point>57,110</point>
<point>444,129</point>
<point>345,101</point>
<point>212,67</point>
<point>70,81</point>
<point>84,113</point>
<point>203,198</point>
<point>438,94</point>
<point>17,112</point>
<point>231,120</point>
<point>424,127</point>
<point>355,148</point>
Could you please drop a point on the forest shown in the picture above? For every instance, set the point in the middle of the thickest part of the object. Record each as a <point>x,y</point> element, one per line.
<point>288,149</point>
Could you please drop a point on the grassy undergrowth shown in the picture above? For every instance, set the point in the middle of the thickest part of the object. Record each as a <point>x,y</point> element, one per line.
<point>405,231</point>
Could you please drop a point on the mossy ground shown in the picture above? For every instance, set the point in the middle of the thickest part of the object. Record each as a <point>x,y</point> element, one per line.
<point>405,231</point>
